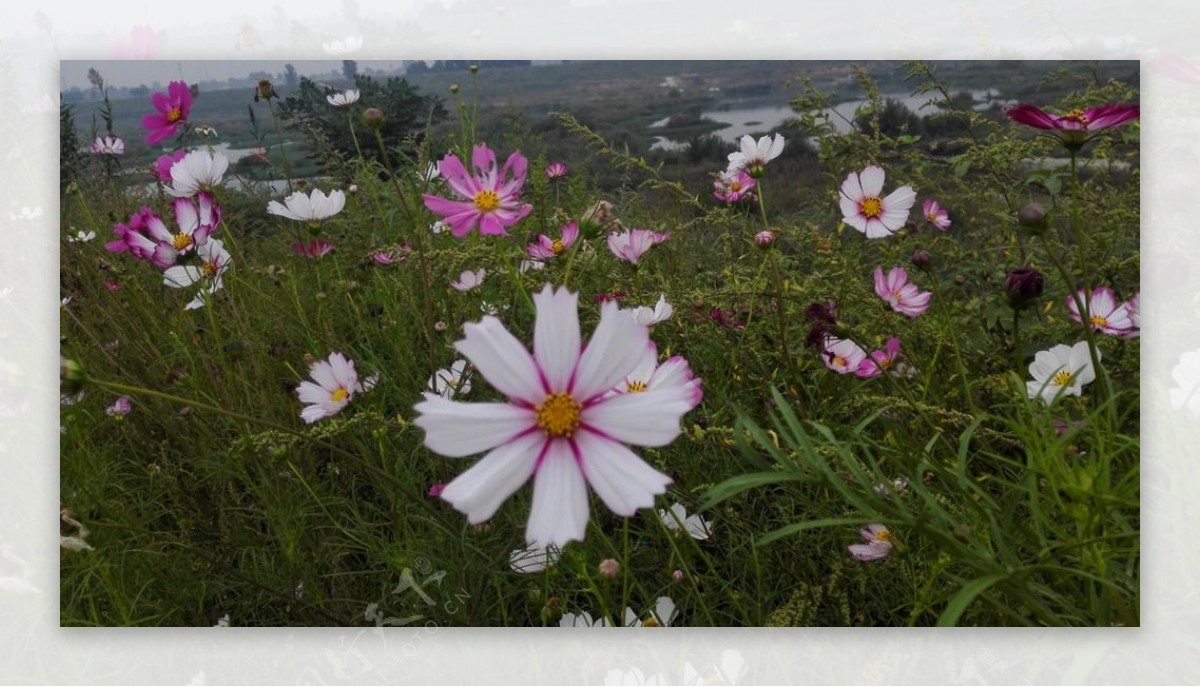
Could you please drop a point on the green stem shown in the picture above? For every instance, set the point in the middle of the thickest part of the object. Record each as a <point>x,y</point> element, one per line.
<point>287,165</point>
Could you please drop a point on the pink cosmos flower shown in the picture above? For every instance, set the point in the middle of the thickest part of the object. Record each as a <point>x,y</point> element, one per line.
<point>936,214</point>
<point>733,185</point>
<point>631,245</point>
<point>173,109</point>
<point>490,199</point>
<point>162,166</point>
<point>843,356</point>
<point>120,408</point>
<point>333,387</point>
<point>880,360</point>
<point>146,236</point>
<point>313,249</point>
<point>879,544</point>
<point>1133,306</point>
<point>863,208</point>
<point>547,248</point>
<point>108,145</point>
<point>903,296</point>
<point>1073,128</point>
<point>391,256</point>
<point>674,374</point>
<point>560,427</point>
<point>555,170</point>
<point>436,490</point>
<point>1106,314</point>
<point>469,280</point>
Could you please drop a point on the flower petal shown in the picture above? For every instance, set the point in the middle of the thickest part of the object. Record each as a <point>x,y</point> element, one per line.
<point>556,340</point>
<point>619,477</point>
<point>480,491</point>
<point>560,503</point>
<point>646,418</point>
<point>462,429</point>
<point>615,348</point>
<point>502,360</point>
<point>871,179</point>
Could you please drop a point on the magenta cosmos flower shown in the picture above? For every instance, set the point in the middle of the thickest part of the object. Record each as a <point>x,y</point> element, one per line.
<point>147,237</point>
<point>879,544</point>
<point>560,426</point>
<point>936,214</point>
<point>333,387</point>
<point>864,209</point>
<point>902,295</point>
<point>490,199</point>
<point>312,249</point>
<point>1106,314</point>
<point>162,166</point>
<point>879,361</point>
<point>556,170</point>
<point>547,248</point>
<point>631,245</point>
<point>733,185</point>
<point>173,109</point>
<point>1075,127</point>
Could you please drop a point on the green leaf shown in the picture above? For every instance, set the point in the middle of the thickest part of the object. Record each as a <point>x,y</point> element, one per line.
<point>736,485</point>
<point>810,525</point>
<point>964,597</point>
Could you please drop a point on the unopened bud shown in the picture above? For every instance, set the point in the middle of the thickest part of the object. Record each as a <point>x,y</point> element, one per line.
<point>1033,216</point>
<point>71,376</point>
<point>453,88</point>
<point>1023,286</point>
<point>474,68</point>
<point>266,90</point>
<point>959,280</point>
<point>921,259</point>
<point>352,188</point>
<point>677,576</point>
<point>373,117</point>
<point>764,238</point>
<point>609,568</point>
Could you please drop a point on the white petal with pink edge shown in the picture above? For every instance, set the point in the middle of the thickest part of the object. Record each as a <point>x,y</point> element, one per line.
<point>556,339</point>
<point>480,490</point>
<point>615,348</point>
<point>619,477</point>
<point>560,503</point>
<point>462,429</point>
<point>646,418</point>
<point>502,360</point>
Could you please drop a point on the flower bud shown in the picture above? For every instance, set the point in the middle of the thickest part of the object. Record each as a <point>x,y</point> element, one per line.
<point>959,280</point>
<point>266,90</point>
<point>764,238</point>
<point>677,576</point>
<point>352,189</point>
<point>474,68</point>
<point>453,88</point>
<point>921,259</point>
<point>1023,286</point>
<point>373,117</point>
<point>609,568</point>
<point>1033,216</point>
<point>71,376</point>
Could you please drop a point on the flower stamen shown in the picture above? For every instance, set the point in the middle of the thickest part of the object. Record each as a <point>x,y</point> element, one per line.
<point>181,242</point>
<point>487,201</point>
<point>174,115</point>
<point>339,395</point>
<point>558,415</point>
<point>634,387</point>
<point>871,206</point>
<point>1062,378</point>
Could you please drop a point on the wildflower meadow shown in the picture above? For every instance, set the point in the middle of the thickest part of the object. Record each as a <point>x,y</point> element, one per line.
<point>368,351</point>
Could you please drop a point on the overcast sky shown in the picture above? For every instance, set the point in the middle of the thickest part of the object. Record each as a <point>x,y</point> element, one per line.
<point>136,72</point>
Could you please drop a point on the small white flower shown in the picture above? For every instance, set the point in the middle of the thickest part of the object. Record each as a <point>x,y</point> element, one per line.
<point>469,280</point>
<point>534,559</point>
<point>214,261</point>
<point>108,145</point>
<point>199,170</point>
<point>583,619</point>
<point>344,99</point>
<point>73,543</point>
<point>432,172</point>
<point>449,382</point>
<point>678,518</point>
<point>223,621</point>
<point>437,227</point>
<point>309,208</point>
<point>648,318</point>
<point>1062,369</point>
<point>752,156</point>
<point>662,615</point>
<point>81,236</point>
<point>535,265</point>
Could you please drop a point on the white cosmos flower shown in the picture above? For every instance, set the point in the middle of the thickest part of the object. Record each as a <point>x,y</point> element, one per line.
<point>451,381</point>
<point>678,518</point>
<point>309,208</point>
<point>214,260</point>
<point>344,99</point>
<point>864,209</point>
<point>81,236</point>
<point>535,559</point>
<point>1062,369</point>
<point>753,155</point>
<point>333,387</point>
<point>198,171</point>
<point>583,619</point>
<point>662,615</point>
<point>648,317</point>
<point>469,280</point>
<point>674,375</point>
<point>108,145</point>
<point>561,428</point>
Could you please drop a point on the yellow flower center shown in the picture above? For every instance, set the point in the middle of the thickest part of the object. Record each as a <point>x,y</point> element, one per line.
<point>651,622</point>
<point>181,241</point>
<point>487,201</point>
<point>735,186</point>
<point>1099,321</point>
<point>558,415</point>
<point>174,115</point>
<point>883,535</point>
<point>871,206</point>
<point>339,395</point>
<point>839,361</point>
<point>209,270</point>
<point>1077,114</point>
<point>885,363</point>
<point>558,246</point>
<point>634,387</point>
<point>932,217</point>
<point>1062,378</point>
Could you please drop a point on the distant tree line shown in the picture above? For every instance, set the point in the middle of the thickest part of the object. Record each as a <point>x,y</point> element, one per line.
<point>420,67</point>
